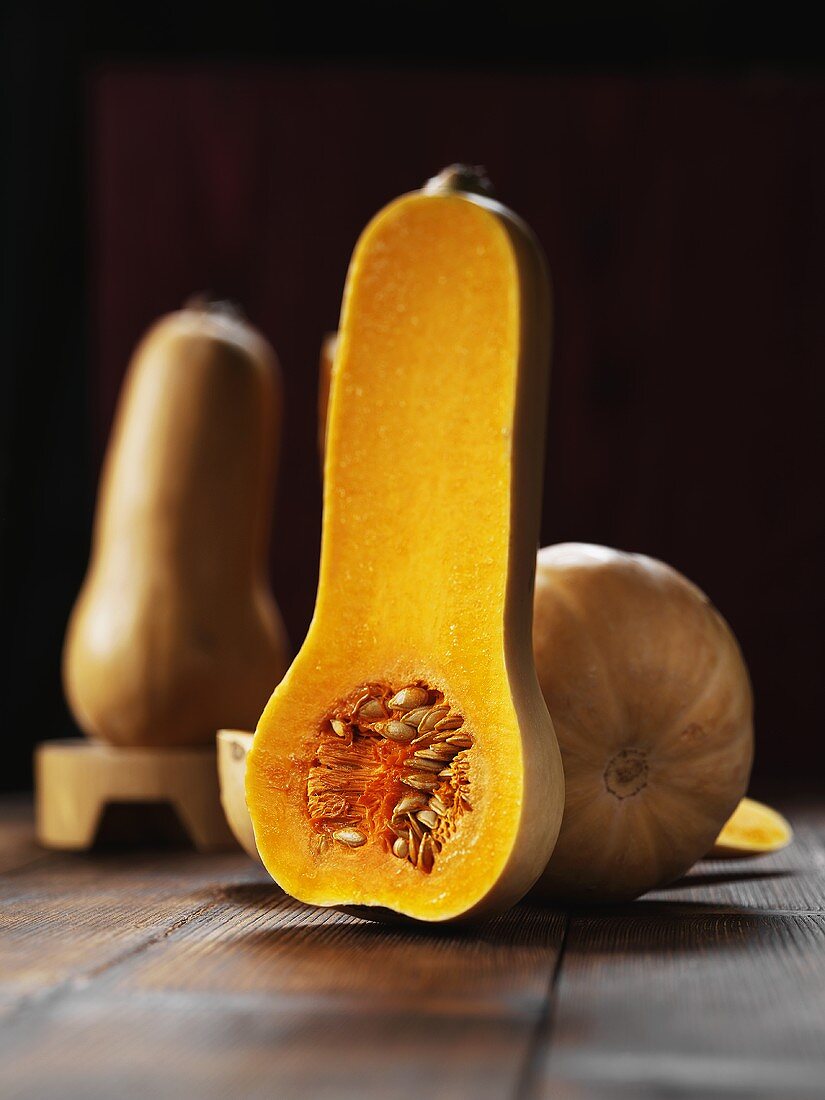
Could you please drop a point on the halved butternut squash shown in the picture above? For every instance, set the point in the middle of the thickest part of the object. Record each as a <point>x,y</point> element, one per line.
<point>407,761</point>
<point>753,829</point>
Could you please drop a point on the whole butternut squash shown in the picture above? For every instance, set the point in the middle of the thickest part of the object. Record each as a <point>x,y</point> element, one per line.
<point>175,632</point>
<point>407,760</point>
<point>652,705</point>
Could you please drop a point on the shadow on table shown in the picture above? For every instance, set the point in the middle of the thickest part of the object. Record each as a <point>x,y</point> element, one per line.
<point>473,971</point>
<point>524,918</point>
<point>345,952</point>
<point>275,943</point>
<point>528,921</point>
<point>724,878</point>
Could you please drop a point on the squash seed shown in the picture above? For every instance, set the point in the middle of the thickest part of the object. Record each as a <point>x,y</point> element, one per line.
<point>439,753</point>
<point>428,818</point>
<point>461,741</point>
<point>414,717</point>
<point>410,802</point>
<point>409,697</point>
<point>426,856</point>
<point>444,752</point>
<point>352,837</point>
<point>425,765</point>
<point>421,781</point>
<point>401,848</point>
<point>373,710</point>
<point>432,718</point>
<point>451,722</point>
<point>338,727</point>
<point>398,731</point>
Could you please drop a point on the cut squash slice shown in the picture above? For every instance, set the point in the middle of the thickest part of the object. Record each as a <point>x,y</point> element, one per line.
<point>753,829</point>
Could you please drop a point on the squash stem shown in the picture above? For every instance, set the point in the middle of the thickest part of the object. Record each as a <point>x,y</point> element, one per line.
<point>471,179</point>
<point>220,307</point>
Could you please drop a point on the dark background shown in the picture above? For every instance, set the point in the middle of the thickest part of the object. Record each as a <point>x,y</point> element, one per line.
<point>671,164</point>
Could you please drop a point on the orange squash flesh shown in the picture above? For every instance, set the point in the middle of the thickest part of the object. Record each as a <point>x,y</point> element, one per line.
<point>431,504</point>
<point>753,829</point>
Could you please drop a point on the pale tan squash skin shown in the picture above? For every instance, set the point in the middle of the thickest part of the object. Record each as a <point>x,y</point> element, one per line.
<point>632,656</point>
<point>175,631</point>
<point>325,367</point>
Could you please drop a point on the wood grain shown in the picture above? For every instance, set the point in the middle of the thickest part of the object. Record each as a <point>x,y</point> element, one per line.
<point>792,880</point>
<point>66,917</point>
<point>17,844</point>
<point>713,987</point>
<point>267,999</point>
<point>176,974</point>
<point>171,974</point>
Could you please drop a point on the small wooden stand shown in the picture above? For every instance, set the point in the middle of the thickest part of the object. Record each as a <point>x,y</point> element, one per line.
<point>87,792</point>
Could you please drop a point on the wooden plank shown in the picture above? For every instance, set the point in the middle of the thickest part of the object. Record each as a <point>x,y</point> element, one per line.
<point>260,996</point>
<point>172,974</point>
<point>183,1046</point>
<point>714,987</point>
<point>176,974</point>
<point>691,1005</point>
<point>17,843</point>
<point>792,880</point>
<point>318,951</point>
<point>66,916</point>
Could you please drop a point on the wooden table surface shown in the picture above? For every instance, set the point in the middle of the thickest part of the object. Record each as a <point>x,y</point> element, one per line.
<point>169,974</point>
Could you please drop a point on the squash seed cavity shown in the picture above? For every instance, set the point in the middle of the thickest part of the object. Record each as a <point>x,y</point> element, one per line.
<point>391,767</point>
